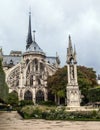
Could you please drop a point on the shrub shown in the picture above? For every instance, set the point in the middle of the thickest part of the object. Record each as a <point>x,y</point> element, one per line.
<point>47,103</point>
<point>58,114</point>
<point>25,102</point>
<point>37,113</point>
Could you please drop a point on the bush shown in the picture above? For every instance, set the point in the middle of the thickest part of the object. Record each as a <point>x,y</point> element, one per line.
<point>30,112</point>
<point>47,103</point>
<point>37,113</point>
<point>25,102</point>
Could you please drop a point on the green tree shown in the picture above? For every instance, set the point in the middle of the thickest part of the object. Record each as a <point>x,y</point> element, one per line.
<point>13,98</point>
<point>94,94</point>
<point>3,85</point>
<point>86,80</point>
<point>58,82</point>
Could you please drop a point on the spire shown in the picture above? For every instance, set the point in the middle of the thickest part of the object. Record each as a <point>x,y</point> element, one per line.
<point>70,46</point>
<point>29,36</point>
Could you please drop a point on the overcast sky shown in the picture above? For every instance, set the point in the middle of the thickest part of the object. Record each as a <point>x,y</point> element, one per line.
<point>53,21</point>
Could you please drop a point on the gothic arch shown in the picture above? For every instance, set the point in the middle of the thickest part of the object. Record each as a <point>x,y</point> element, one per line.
<point>31,80</point>
<point>39,96</point>
<point>28,95</point>
<point>41,67</point>
<point>28,65</point>
<point>35,63</point>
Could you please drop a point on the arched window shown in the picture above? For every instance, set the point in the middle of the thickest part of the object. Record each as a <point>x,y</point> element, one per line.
<point>17,82</point>
<point>31,80</point>
<point>39,96</point>
<point>36,64</point>
<point>28,95</point>
<point>39,82</point>
<point>41,67</point>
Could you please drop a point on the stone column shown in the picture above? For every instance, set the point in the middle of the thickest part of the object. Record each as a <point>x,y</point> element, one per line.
<point>34,95</point>
<point>75,73</point>
<point>68,69</point>
<point>45,94</point>
<point>38,66</point>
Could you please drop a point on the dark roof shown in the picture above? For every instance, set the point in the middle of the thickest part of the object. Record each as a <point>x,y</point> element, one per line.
<point>7,59</point>
<point>51,59</point>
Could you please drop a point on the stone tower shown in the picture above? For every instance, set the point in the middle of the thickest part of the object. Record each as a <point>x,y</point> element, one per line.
<point>73,93</point>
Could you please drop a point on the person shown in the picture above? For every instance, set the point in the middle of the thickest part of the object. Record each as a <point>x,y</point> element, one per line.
<point>9,108</point>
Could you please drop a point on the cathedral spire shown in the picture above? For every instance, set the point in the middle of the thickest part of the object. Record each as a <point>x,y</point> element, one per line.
<point>29,36</point>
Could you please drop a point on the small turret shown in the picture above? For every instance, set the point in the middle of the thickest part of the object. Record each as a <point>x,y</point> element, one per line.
<point>71,54</point>
<point>57,60</point>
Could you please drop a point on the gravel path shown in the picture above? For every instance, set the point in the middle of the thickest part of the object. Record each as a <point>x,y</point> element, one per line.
<point>12,121</point>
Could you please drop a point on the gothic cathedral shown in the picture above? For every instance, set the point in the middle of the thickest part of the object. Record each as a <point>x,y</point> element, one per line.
<point>26,73</point>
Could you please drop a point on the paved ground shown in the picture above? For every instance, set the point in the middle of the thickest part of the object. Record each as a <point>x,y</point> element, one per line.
<point>12,121</point>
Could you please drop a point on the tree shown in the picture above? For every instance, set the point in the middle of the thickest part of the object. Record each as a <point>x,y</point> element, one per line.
<point>3,85</point>
<point>58,82</point>
<point>86,80</point>
<point>94,94</point>
<point>13,98</point>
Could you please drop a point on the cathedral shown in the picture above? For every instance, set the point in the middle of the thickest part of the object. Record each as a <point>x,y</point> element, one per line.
<point>26,73</point>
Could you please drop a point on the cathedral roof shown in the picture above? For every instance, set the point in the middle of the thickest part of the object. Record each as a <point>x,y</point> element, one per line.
<point>8,59</point>
<point>34,47</point>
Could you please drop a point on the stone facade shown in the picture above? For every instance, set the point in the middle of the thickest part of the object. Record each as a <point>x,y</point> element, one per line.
<point>26,73</point>
<point>73,93</point>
